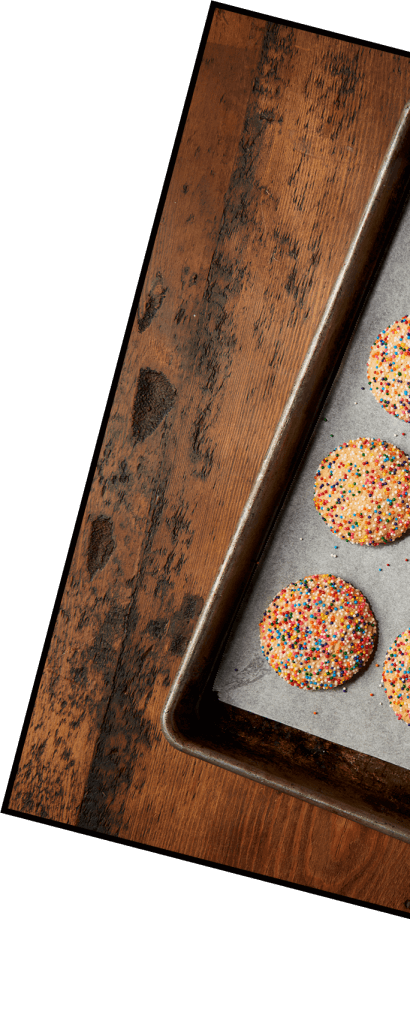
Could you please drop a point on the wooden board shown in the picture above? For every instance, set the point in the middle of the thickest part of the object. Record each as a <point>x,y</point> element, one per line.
<point>285,132</point>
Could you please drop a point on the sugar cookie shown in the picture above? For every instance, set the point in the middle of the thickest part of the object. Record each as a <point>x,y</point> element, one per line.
<point>396,676</point>
<point>388,369</point>
<point>362,491</point>
<point>318,632</point>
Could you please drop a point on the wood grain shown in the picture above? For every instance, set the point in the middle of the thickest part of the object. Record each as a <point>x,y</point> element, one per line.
<point>283,139</point>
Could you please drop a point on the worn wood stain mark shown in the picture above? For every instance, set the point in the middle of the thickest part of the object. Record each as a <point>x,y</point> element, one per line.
<point>101,544</point>
<point>180,625</point>
<point>125,724</point>
<point>81,699</point>
<point>154,398</point>
<point>154,302</point>
<point>214,339</point>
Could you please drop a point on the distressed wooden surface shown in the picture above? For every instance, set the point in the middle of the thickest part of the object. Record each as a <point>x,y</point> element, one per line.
<point>284,136</point>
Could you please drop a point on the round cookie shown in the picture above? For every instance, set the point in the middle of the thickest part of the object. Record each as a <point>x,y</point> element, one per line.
<point>396,676</point>
<point>318,633</point>
<point>388,369</point>
<point>362,491</point>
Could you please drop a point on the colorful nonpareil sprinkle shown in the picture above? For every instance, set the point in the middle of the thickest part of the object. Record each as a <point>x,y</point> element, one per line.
<point>396,676</point>
<point>388,369</point>
<point>362,491</point>
<point>318,633</point>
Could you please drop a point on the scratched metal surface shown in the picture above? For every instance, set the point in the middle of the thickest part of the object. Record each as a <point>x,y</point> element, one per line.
<point>303,544</point>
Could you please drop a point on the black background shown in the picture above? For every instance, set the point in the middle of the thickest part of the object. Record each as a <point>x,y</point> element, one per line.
<point>94,109</point>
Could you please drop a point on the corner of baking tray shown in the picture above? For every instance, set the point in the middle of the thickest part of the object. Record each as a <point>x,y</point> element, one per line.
<point>180,686</point>
<point>168,722</point>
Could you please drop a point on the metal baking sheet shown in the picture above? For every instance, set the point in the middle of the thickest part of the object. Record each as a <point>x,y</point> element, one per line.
<point>303,545</point>
<point>201,720</point>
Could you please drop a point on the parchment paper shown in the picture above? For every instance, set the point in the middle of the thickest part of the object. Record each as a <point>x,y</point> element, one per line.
<point>303,545</point>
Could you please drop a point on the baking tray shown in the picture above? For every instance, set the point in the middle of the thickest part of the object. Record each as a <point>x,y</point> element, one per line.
<point>305,764</point>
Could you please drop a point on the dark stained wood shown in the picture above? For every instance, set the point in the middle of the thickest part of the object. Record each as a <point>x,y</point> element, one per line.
<point>284,136</point>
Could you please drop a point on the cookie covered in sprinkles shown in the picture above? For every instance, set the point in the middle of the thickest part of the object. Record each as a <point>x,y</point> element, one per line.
<point>362,491</point>
<point>318,633</point>
<point>388,369</point>
<point>396,676</point>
